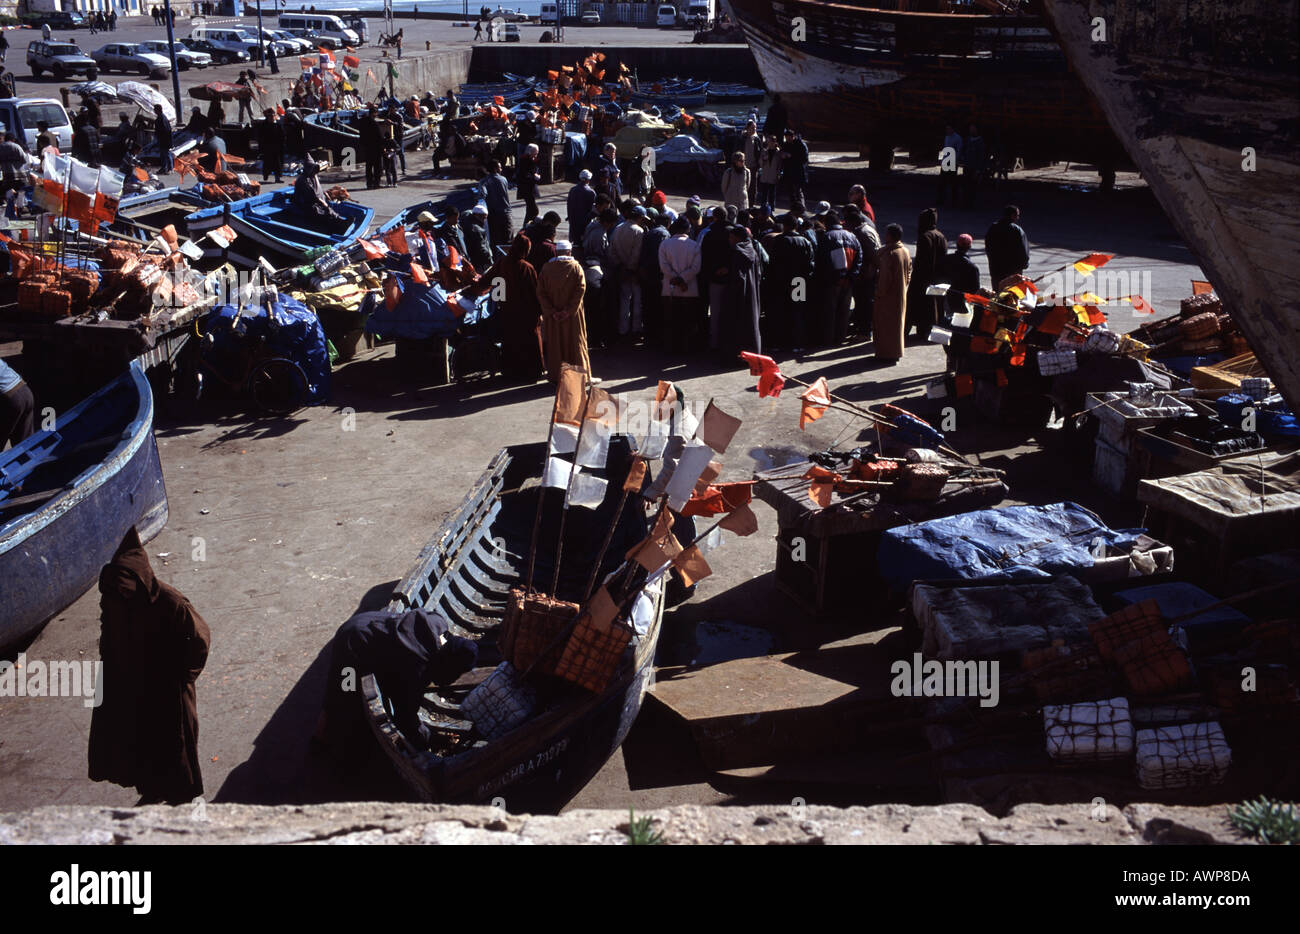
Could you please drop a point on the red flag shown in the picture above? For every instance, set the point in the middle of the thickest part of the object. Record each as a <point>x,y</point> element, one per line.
<point>372,249</point>
<point>1140,305</point>
<point>770,379</point>
<point>976,298</point>
<point>392,292</point>
<point>813,402</point>
<point>351,61</point>
<point>395,239</point>
<point>418,273</point>
<point>1093,261</point>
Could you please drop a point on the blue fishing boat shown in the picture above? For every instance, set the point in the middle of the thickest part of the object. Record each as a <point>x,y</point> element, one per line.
<point>69,495</point>
<point>462,199</point>
<point>336,130</point>
<point>269,225</point>
<point>671,93</point>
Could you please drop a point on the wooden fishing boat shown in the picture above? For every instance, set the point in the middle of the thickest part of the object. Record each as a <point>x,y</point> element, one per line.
<point>269,225</point>
<point>68,496</point>
<point>142,216</point>
<point>465,573</point>
<point>734,93</point>
<point>1206,98</point>
<point>336,131</point>
<point>865,71</point>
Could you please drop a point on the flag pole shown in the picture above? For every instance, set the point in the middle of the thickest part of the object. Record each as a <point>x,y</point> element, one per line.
<point>541,490</point>
<point>564,512</point>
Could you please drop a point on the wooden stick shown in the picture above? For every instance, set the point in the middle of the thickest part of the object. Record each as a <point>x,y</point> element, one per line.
<point>564,510</point>
<point>541,493</point>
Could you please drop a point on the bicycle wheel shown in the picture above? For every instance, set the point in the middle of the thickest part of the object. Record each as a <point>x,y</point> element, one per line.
<point>278,386</point>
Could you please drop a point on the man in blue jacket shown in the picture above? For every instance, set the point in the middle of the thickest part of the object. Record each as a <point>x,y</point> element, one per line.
<point>839,261</point>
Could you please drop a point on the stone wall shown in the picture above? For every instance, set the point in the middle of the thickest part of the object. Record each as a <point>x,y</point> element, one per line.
<point>372,823</point>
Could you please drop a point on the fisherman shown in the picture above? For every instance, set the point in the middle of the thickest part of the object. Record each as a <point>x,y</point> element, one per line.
<point>751,144</point>
<point>794,165</point>
<point>839,261</point>
<point>961,275</point>
<point>211,151</point>
<point>740,325</point>
<point>153,644</point>
<point>271,140</point>
<point>449,231</point>
<point>162,128</point>
<point>891,296</point>
<point>607,174</point>
<point>370,145</point>
<point>1006,247</point>
<point>790,266</point>
<point>601,296</point>
<point>625,258</point>
<point>864,286</point>
<point>474,228</point>
<point>526,179</point>
<point>13,160</point>
<point>581,203</point>
<point>931,247</point>
<point>714,247</point>
<point>309,196</point>
<point>735,182</point>
<point>679,266</point>
<point>293,127</point>
<point>496,193</point>
<point>560,289</point>
<point>17,407</point>
<point>650,276</point>
<point>406,652</point>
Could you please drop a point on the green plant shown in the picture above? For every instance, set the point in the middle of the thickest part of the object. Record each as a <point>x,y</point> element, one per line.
<point>1267,820</point>
<point>641,831</point>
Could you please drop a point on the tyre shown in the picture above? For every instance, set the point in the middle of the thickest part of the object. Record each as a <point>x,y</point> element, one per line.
<point>278,386</point>
<point>60,74</point>
<point>36,72</point>
<point>144,70</point>
<point>92,74</point>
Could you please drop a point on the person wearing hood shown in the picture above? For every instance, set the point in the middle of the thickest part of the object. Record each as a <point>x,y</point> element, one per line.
<point>406,652</point>
<point>153,645</point>
<point>740,324</point>
<point>864,286</point>
<point>931,248</point>
<point>514,283</point>
<point>581,204</point>
<point>789,283</point>
<point>309,197</point>
<point>560,289</point>
<point>474,228</point>
<point>891,296</point>
<point>651,278</point>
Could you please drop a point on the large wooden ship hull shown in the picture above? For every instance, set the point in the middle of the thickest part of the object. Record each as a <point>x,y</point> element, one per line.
<point>1197,90</point>
<point>863,74</point>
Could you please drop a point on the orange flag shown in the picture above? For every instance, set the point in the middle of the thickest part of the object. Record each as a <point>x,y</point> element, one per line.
<point>418,273</point>
<point>1093,261</point>
<point>372,249</point>
<point>770,379</point>
<point>813,402</point>
<point>392,292</point>
<point>395,239</point>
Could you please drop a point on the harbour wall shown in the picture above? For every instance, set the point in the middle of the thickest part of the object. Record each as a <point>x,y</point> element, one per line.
<point>731,63</point>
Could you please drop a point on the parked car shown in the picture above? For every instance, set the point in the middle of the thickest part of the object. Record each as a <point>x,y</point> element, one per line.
<point>512,32</point>
<point>299,45</point>
<point>185,58</point>
<point>330,30</point>
<point>61,19</point>
<point>234,40</point>
<point>219,56</point>
<point>281,46</point>
<point>510,16</point>
<point>130,58</point>
<point>590,18</point>
<point>24,115</point>
<point>61,59</point>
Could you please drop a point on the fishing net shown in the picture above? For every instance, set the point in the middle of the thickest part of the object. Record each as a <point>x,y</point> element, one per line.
<point>1091,731</point>
<point>1183,756</point>
<point>1154,665</point>
<point>1129,624</point>
<point>501,702</point>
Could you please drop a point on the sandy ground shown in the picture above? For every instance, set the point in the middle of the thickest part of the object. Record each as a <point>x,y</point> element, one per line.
<point>304,521</point>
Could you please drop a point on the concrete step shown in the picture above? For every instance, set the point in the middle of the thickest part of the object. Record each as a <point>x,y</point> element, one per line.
<point>779,708</point>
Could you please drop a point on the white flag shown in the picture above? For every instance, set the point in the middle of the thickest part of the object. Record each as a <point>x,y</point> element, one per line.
<point>593,444</point>
<point>686,474</point>
<point>588,490</point>
<point>557,473</point>
<point>564,438</point>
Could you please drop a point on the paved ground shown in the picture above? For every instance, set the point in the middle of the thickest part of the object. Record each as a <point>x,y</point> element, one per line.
<point>304,521</point>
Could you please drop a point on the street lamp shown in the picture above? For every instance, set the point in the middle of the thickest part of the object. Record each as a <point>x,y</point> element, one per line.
<point>171,52</point>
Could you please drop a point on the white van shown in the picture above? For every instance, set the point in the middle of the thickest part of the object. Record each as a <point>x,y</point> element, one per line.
<point>700,12</point>
<point>667,15</point>
<point>550,12</point>
<point>231,40</point>
<point>22,117</point>
<point>326,27</point>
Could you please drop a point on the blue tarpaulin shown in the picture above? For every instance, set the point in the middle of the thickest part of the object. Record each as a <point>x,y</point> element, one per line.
<point>1019,541</point>
<point>422,312</point>
<point>1272,421</point>
<point>291,330</point>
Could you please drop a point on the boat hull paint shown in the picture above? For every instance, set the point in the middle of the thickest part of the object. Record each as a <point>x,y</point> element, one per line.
<point>866,75</point>
<point>1188,88</point>
<point>51,557</point>
<point>264,234</point>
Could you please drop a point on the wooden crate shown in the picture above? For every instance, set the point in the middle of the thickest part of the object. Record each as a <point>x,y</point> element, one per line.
<point>1227,374</point>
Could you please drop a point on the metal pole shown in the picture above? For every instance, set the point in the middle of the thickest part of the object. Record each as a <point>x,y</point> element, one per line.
<point>261,42</point>
<point>171,51</point>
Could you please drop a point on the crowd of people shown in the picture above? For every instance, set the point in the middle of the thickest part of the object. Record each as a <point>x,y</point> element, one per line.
<point>725,278</point>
